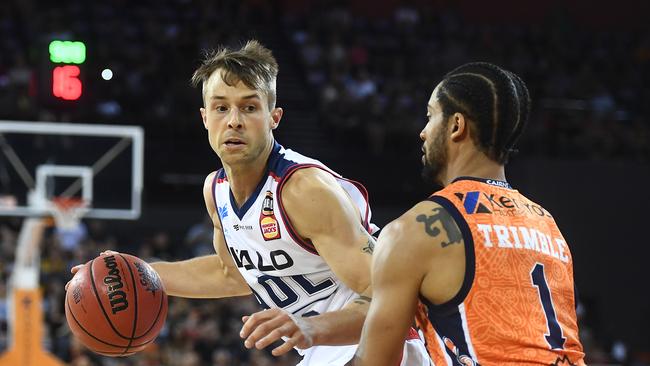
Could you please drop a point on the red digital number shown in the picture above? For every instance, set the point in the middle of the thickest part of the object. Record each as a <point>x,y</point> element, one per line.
<point>65,82</point>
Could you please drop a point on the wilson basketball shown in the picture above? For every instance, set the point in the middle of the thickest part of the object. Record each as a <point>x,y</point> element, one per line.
<point>116,305</point>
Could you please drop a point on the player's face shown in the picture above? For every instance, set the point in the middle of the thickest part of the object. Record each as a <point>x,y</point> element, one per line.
<point>434,148</point>
<point>238,121</point>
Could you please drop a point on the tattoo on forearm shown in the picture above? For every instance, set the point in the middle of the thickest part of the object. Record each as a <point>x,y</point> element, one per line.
<point>441,220</point>
<point>362,300</point>
<point>370,245</point>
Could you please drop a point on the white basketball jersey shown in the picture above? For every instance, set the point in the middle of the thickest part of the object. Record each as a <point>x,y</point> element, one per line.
<point>283,270</point>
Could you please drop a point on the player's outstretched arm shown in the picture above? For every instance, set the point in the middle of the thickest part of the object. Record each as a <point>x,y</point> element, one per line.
<point>321,211</point>
<point>211,276</point>
<point>414,254</point>
<point>202,277</point>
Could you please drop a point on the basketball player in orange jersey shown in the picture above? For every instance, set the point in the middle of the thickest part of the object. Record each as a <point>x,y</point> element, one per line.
<point>287,229</point>
<point>486,270</point>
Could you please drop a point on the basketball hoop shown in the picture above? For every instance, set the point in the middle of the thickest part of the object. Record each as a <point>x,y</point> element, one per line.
<point>67,211</point>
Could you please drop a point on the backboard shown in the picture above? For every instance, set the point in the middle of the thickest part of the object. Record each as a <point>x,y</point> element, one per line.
<point>101,164</point>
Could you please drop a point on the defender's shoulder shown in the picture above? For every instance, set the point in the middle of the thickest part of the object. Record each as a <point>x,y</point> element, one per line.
<point>427,226</point>
<point>412,218</point>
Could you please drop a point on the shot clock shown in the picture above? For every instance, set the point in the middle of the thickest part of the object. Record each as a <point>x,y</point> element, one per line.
<point>66,81</point>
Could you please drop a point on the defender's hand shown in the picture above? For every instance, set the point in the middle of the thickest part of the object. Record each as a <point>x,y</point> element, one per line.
<point>267,326</point>
<point>76,268</point>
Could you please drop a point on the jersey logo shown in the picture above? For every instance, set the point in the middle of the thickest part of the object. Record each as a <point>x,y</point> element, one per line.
<point>268,222</point>
<point>223,211</point>
<point>471,203</point>
<point>499,205</point>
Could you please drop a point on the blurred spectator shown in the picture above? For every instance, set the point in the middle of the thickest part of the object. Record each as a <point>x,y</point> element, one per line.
<point>581,80</point>
<point>199,238</point>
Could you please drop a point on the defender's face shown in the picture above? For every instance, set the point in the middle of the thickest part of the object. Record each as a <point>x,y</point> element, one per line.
<point>434,147</point>
<point>238,120</point>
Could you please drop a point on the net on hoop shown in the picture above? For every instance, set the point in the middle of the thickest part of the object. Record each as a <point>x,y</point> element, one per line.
<point>67,211</point>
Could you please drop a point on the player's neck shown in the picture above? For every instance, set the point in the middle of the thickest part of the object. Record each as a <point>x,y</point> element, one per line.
<point>244,178</point>
<point>474,164</point>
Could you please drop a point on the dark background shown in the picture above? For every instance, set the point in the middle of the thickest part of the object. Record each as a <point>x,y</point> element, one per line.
<point>354,80</point>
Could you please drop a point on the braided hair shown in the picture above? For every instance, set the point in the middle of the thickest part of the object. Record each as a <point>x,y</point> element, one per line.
<point>494,99</point>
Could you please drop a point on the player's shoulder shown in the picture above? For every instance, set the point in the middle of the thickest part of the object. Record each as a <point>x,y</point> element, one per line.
<point>403,244</point>
<point>409,219</point>
<point>210,178</point>
<point>313,200</point>
<point>307,182</point>
<point>421,227</point>
<point>208,194</point>
<point>207,183</point>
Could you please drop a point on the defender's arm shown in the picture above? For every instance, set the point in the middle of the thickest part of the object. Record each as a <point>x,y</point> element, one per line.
<point>407,260</point>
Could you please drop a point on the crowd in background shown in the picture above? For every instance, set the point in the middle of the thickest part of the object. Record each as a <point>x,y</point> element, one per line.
<point>368,79</point>
<point>196,332</point>
<point>374,76</point>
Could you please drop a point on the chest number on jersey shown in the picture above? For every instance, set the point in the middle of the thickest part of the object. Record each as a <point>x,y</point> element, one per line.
<point>286,294</point>
<point>554,336</point>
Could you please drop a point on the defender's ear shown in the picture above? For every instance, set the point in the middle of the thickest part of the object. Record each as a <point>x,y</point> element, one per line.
<point>459,128</point>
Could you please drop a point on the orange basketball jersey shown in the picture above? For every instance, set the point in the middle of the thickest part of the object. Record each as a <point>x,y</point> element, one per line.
<point>517,303</point>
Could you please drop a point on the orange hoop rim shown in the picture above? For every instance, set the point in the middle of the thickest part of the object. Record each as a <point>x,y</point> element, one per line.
<point>68,203</point>
<point>66,212</point>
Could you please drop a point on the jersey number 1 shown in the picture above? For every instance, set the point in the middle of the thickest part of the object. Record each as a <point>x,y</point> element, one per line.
<point>554,337</point>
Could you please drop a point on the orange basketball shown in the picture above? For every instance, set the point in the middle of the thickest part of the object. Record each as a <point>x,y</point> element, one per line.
<point>116,305</point>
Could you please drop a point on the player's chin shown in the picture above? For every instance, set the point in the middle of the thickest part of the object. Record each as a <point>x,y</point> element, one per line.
<point>234,157</point>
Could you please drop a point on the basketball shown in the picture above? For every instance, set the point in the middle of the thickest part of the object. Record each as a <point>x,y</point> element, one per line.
<point>116,305</point>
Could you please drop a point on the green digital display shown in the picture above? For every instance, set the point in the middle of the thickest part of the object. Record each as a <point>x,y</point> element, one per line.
<point>67,52</point>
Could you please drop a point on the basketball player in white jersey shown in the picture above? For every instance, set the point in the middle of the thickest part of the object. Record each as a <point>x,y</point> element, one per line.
<point>286,228</point>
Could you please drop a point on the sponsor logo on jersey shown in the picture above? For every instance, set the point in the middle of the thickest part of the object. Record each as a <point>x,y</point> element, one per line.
<point>238,227</point>
<point>471,203</point>
<point>268,223</point>
<point>476,202</point>
<point>279,259</point>
<point>270,228</point>
<point>498,183</point>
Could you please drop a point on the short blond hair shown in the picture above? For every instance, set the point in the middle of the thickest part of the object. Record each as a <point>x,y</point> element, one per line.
<point>253,64</point>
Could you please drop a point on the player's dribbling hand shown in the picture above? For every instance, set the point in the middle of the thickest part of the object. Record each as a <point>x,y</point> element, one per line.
<point>263,328</point>
<point>76,268</point>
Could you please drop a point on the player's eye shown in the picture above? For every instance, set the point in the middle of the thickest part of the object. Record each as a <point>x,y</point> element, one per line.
<point>221,108</point>
<point>250,108</point>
